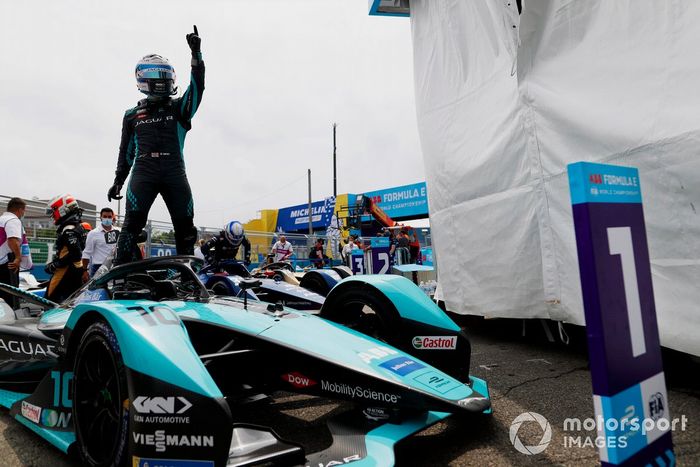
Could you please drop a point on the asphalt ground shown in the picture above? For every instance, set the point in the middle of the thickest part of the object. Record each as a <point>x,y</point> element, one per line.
<point>525,374</point>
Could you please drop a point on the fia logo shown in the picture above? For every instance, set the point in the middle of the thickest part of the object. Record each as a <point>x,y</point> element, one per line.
<point>656,406</point>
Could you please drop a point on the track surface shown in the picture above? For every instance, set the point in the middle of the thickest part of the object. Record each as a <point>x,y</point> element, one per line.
<point>524,374</point>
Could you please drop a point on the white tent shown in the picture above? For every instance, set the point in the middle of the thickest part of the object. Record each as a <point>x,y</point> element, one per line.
<point>506,101</point>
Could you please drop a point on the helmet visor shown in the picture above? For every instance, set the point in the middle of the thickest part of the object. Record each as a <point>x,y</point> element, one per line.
<point>155,72</point>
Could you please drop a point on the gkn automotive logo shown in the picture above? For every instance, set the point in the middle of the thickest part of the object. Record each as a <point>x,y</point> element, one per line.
<point>161,405</point>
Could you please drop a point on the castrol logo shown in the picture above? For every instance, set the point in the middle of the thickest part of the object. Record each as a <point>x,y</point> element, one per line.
<point>435,342</point>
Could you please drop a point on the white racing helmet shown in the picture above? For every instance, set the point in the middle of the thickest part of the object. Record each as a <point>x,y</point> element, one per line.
<point>234,232</point>
<point>155,76</point>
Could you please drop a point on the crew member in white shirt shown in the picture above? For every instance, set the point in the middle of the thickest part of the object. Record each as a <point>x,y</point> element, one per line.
<point>282,249</point>
<point>11,235</point>
<point>100,243</point>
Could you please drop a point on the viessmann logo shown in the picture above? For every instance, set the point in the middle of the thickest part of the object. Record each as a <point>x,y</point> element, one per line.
<point>435,342</point>
<point>160,439</point>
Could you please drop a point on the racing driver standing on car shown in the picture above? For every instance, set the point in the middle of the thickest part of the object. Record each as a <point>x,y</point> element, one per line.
<point>153,136</point>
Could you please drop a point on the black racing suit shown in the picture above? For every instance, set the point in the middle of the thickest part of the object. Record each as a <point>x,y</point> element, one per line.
<point>223,249</point>
<point>153,136</point>
<point>67,265</point>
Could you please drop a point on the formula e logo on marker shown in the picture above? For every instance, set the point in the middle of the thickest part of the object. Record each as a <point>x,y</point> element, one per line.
<point>298,380</point>
<point>31,411</point>
<point>435,342</point>
<point>144,404</point>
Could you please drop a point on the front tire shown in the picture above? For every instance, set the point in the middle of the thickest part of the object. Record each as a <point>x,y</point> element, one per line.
<point>100,398</point>
<point>365,310</point>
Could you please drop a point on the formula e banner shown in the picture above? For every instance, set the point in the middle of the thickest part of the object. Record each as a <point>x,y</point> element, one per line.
<point>296,218</point>
<point>402,201</point>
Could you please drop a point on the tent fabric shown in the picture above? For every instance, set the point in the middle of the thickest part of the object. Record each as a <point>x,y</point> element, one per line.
<point>506,101</point>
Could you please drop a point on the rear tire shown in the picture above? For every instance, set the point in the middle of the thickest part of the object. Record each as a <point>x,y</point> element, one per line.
<point>100,398</point>
<point>365,310</point>
<point>314,282</point>
<point>220,289</point>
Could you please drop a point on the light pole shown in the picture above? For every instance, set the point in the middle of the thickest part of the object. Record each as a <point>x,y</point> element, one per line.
<point>311,228</point>
<point>335,177</point>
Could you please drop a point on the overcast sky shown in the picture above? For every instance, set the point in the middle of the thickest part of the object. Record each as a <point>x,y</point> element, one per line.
<point>279,72</point>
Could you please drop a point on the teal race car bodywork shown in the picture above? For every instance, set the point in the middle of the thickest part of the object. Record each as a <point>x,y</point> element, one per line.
<point>188,358</point>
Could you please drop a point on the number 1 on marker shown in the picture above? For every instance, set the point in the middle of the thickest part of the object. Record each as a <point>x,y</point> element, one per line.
<point>620,241</point>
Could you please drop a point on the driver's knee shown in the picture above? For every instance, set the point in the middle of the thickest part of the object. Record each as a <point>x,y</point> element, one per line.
<point>129,237</point>
<point>134,222</point>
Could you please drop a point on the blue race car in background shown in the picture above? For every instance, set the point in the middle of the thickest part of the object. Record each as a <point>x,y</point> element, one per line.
<point>144,366</point>
<point>278,283</point>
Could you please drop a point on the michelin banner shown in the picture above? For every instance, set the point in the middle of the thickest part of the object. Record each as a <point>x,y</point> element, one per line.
<point>296,218</point>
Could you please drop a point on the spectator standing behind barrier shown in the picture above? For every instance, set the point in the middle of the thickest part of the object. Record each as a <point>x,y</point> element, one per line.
<point>11,236</point>
<point>316,255</point>
<point>198,249</point>
<point>402,253</point>
<point>347,249</point>
<point>100,242</point>
<point>282,249</point>
<point>414,247</point>
<point>66,269</point>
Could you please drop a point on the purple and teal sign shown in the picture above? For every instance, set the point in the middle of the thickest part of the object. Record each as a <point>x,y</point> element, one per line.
<point>629,392</point>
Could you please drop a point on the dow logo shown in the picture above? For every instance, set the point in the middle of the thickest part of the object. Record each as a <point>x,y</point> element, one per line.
<point>546,433</point>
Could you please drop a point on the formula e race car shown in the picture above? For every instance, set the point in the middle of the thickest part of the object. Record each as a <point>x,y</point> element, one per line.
<point>279,283</point>
<point>144,366</point>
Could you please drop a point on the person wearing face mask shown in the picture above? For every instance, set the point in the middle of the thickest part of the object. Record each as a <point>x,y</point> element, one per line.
<point>100,242</point>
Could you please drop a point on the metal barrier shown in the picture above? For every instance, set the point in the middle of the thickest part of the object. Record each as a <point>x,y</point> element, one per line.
<point>41,234</point>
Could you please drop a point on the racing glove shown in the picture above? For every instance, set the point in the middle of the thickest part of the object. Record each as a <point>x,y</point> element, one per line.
<point>50,268</point>
<point>195,43</point>
<point>113,192</point>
